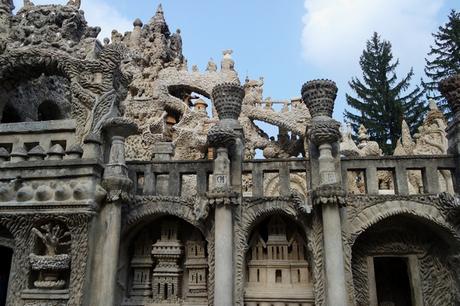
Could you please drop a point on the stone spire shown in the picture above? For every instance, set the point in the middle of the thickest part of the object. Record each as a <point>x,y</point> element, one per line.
<point>158,22</point>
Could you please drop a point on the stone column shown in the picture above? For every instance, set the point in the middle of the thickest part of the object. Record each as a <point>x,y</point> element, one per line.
<point>108,228</point>
<point>324,134</point>
<point>227,137</point>
<point>223,233</point>
<point>450,89</point>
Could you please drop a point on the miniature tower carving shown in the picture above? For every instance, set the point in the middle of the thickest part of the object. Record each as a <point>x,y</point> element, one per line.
<point>196,265</point>
<point>167,273</point>
<point>142,267</point>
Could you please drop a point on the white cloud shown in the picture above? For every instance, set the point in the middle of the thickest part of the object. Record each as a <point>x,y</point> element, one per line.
<point>335,31</point>
<point>98,13</point>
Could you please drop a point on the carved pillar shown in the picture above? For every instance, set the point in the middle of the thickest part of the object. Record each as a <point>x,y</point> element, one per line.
<point>227,137</point>
<point>450,89</point>
<point>108,224</point>
<point>324,134</point>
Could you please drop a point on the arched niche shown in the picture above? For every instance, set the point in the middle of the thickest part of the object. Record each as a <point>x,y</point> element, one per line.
<point>166,262</point>
<point>44,98</point>
<point>405,260</point>
<point>277,264</point>
<point>6,257</point>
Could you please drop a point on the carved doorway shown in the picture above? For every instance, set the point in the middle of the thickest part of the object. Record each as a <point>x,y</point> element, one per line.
<point>392,281</point>
<point>6,255</point>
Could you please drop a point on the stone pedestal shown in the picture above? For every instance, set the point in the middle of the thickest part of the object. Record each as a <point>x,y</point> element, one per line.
<point>324,133</point>
<point>118,185</point>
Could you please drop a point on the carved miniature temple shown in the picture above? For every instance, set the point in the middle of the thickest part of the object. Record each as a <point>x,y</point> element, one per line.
<point>128,179</point>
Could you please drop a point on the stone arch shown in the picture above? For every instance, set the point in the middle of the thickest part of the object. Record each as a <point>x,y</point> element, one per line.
<point>140,223</point>
<point>296,181</point>
<point>251,215</point>
<point>150,210</point>
<point>288,224</point>
<point>373,214</point>
<point>411,232</point>
<point>36,71</point>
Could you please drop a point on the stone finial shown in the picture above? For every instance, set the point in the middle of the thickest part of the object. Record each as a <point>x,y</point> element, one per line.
<point>348,146</point>
<point>75,151</point>
<point>159,23</point>
<point>228,98</point>
<point>212,67</point>
<point>37,153</point>
<point>227,64</point>
<point>319,96</point>
<point>138,23</point>
<point>18,154</point>
<point>363,136</point>
<point>56,152</point>
<point>4,154</point>
<point>450,89</point>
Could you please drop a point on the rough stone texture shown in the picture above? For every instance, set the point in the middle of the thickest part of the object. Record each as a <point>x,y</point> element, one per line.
<point>180,212</point>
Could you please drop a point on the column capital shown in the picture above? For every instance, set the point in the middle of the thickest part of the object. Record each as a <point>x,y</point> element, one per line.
<point>331,194</point>
<point>324,131</point>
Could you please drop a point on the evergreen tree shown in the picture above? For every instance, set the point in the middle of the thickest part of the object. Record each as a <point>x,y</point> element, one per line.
<point>382,101</point>
<point>445,56</point>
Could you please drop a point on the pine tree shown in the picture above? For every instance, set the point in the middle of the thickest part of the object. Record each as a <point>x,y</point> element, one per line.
<point>382,101</point>
<point>445,56</point>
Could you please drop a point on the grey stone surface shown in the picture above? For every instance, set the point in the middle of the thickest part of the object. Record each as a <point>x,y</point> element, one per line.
<point>119,187</point>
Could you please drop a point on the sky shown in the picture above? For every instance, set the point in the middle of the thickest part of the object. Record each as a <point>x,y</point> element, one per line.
<point>287,42</point>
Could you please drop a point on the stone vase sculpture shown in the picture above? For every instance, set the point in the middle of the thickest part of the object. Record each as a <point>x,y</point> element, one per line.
<point>49,269</point>
<point>51,265</point>
<point>319,96</point>
<point>227,98</point>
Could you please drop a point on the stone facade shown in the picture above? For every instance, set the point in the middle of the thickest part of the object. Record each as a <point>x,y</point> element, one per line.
<point>128,179</point>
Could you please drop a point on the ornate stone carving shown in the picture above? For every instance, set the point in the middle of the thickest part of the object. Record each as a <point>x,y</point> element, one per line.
<point>324,131</point>
<point>51,264</point>
<point>329,195</point>
<point>228,98</point>
<point>221,136</point>
<point>319,96</point>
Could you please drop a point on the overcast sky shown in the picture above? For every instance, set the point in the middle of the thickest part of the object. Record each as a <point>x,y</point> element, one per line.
<point>287,42</point>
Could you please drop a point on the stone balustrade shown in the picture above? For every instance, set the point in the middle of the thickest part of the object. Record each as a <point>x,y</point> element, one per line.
<point>430,173</point>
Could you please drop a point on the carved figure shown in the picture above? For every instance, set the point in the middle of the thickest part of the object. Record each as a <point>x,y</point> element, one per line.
<point>53,237</point>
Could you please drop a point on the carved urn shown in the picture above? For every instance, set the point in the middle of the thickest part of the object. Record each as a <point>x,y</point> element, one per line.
<point>228,98</point>
<point>49,267</point>
<point>450,89</point>
<point>319,96</point>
